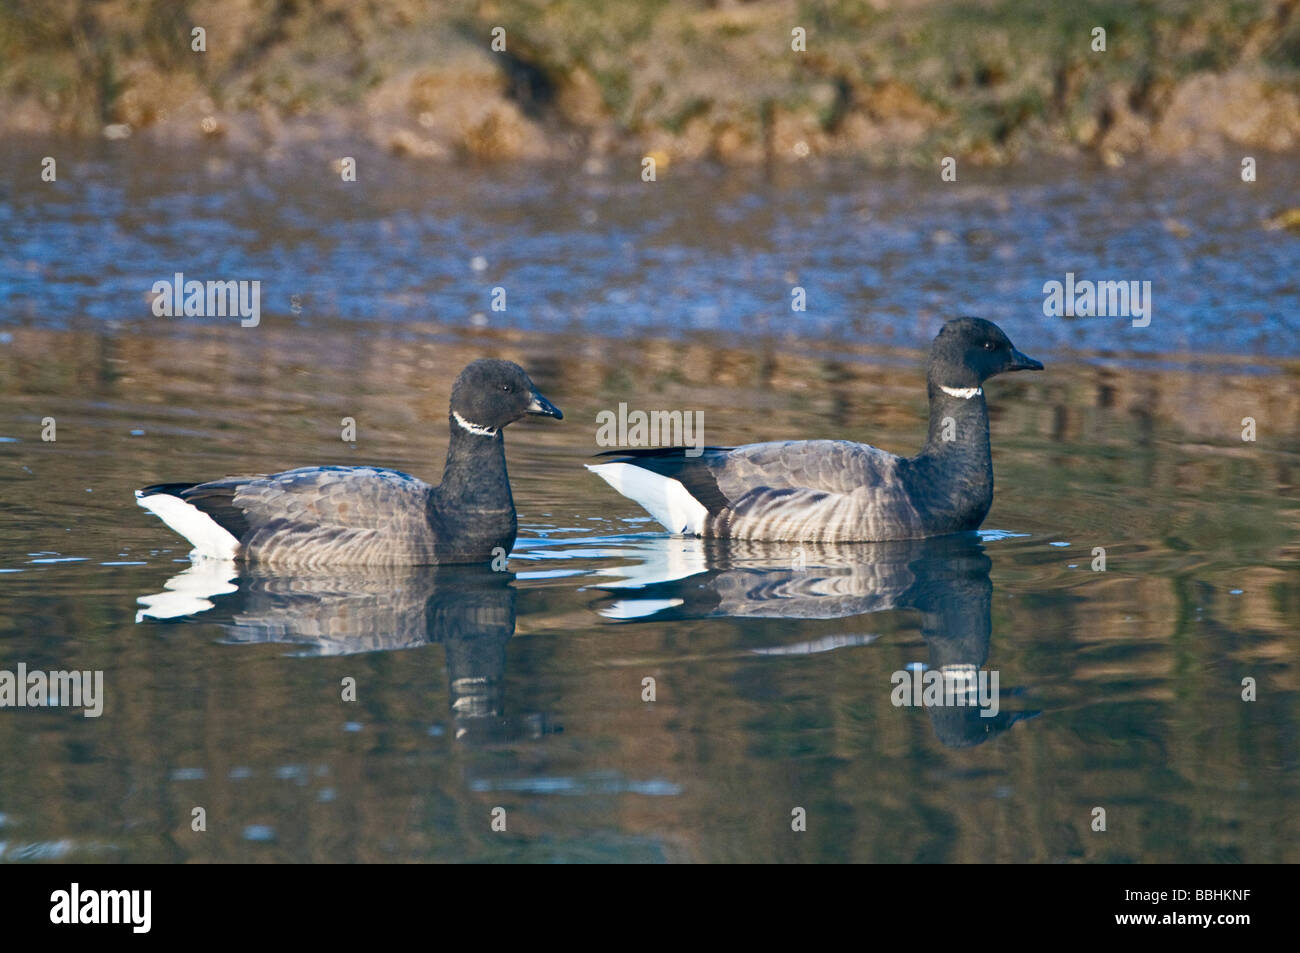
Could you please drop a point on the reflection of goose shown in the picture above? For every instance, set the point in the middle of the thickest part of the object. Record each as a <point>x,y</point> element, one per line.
<point>469,609</point>
<point>739,578</point>
<point>946,579</point>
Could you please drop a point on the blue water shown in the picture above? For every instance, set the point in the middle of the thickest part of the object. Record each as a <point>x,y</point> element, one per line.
<point>884,257</point>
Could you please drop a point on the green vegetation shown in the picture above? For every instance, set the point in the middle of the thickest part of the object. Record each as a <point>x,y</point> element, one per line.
<point>906,80</point>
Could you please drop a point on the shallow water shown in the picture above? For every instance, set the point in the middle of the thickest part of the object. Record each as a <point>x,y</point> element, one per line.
<point>773,667</point>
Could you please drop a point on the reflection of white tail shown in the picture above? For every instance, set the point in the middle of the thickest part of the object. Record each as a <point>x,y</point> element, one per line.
<point>662,560</point>
<point>207,537</point>
<point>827,643</point>
<point>190,591</point>
<point>625,609</point>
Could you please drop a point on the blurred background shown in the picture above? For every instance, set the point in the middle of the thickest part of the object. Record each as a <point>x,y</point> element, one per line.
<point>893,80</point>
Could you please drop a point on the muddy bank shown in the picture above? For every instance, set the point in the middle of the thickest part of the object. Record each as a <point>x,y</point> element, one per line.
<point>887,82</point>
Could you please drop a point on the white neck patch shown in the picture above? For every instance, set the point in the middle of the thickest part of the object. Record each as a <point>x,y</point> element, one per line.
<point>965,393</point>
<point>474,428</point>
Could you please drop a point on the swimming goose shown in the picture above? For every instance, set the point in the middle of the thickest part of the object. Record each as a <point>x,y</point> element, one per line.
<point>835,490</point>
<point>369,515</point>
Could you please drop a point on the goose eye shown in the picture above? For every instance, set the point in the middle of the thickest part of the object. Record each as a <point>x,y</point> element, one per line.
<point>506,388</point>
<point>989,346</point>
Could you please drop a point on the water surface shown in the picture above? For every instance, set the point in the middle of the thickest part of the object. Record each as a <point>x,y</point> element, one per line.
<point>772,667</point>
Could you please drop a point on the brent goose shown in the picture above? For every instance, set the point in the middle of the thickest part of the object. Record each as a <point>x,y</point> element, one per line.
<point>315,516</point>
<point>835,490</point>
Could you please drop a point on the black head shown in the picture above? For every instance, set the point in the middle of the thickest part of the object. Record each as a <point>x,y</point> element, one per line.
<point>490,394</point>
<point>968,351</point>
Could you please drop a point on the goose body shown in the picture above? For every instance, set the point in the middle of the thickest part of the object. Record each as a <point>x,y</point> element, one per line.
<point>835,490</point>
<point>371,516</point>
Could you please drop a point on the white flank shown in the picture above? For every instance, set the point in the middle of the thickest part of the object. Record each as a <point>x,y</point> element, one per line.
<point>662,497</point>
<point>205,533</point>
<point>965,393</point>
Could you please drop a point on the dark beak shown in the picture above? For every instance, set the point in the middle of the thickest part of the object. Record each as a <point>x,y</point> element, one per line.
<point>543,407</point>
<point>1021,363</point>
